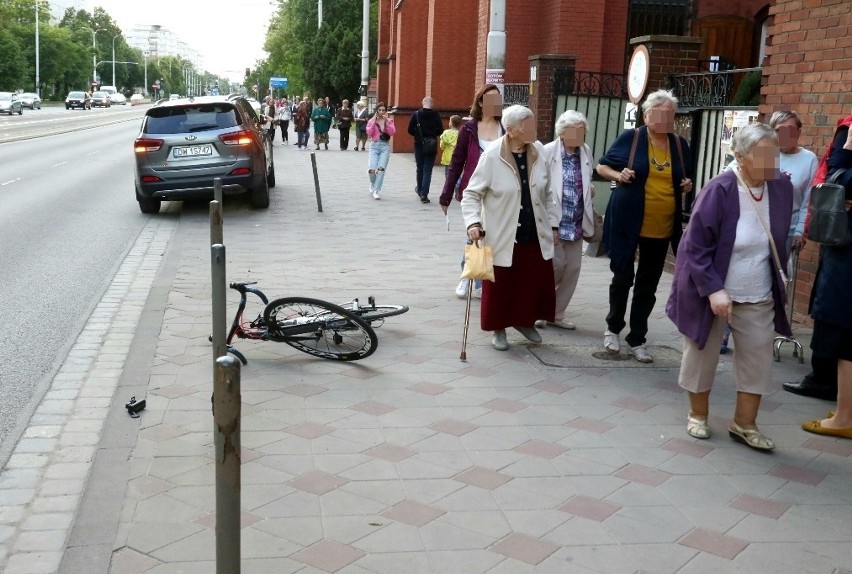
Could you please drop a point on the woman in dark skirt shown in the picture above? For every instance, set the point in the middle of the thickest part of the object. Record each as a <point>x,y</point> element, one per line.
<point>508,194</point>
<point>830,306</point>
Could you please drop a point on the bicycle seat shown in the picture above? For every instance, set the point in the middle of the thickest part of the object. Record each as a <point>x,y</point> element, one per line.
<point>241,284</point>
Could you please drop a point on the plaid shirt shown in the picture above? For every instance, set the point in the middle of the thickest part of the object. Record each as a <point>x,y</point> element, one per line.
<point>571,225</point>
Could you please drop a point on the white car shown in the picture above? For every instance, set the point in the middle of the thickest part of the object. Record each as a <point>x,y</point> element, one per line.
<point>136,99</point>
<point>118,98</point>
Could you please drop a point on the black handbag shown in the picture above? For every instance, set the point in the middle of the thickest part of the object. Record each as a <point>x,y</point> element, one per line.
<point>829,222</point>
<point>428,145</point>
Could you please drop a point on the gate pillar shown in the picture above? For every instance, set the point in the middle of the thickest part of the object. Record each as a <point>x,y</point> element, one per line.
<point>543,88</point>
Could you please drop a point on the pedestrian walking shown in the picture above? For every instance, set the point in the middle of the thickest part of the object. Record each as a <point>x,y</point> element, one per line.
<point>284,115</point>
<point>380,129</point>
<point>344,123</point>
<point>321,117</point>
<point>508,190</point>
<point>426,127</point>
<point>644,213</point>
<point>302,123</point>
<point>361,117</point>
<point>447,143</point>
<point>730,270</point>
<point>269,115</point>
<point>482,129</point>
<point>570,163</point>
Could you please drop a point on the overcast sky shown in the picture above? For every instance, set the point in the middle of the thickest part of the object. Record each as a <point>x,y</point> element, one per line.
<point>229,36</point>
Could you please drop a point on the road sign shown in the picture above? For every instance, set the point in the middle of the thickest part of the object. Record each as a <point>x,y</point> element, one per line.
<point>277,82</point>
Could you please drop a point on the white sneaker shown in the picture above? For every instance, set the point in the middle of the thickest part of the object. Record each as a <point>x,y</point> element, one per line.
<point>376,195</point>
<point>477,292</point>
<point>641,354</point>
<point>461,289</point>
<point>611,342</point>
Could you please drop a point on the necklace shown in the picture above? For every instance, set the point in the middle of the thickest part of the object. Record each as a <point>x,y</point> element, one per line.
<point>762,188</point>
<point>658,165</point>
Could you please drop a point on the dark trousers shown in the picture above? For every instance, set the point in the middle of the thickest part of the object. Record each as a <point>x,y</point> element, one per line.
<point>285,125</point>
<point>425,163</point>
<point>344,138</point>
<point>652,260</point>
<point>823,373</point>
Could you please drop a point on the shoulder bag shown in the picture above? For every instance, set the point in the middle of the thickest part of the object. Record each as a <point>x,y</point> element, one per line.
<point>429,145</point>
<point>829,223</point>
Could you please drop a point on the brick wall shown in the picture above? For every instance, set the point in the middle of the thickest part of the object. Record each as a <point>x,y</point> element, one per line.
<point>809,69</point>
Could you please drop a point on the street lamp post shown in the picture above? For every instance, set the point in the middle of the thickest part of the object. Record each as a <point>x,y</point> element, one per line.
<point>94,55</point>
<point>113,59</point>
<point>145,53</point>
<point>37,79</point>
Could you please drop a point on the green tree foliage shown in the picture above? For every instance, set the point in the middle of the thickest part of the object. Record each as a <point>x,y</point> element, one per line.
<point>324,61</point>
<point>13,62</point>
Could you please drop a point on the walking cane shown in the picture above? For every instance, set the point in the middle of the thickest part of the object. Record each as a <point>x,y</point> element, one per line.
<point>463,355</point>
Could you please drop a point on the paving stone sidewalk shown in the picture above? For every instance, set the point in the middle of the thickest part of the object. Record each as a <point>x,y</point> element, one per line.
<point>411,460</point>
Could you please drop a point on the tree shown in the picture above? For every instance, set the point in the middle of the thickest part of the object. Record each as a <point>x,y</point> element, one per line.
<point>13,63</point>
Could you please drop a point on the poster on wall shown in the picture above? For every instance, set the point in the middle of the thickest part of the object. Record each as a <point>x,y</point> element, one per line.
<point>734,121</point>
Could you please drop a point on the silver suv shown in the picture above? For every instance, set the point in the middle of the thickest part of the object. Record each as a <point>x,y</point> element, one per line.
<point>186,143</point>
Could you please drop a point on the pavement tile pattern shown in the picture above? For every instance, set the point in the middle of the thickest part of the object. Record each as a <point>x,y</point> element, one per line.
<point>411,460</point>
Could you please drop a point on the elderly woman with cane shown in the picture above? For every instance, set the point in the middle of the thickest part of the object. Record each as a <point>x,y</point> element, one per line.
<point>508,194</point>
<point>730,269</point>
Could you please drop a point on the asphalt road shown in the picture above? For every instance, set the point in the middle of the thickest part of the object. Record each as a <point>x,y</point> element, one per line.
<point>68,216</point>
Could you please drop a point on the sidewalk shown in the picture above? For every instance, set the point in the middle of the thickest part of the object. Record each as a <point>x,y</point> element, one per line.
<point>553,458</point>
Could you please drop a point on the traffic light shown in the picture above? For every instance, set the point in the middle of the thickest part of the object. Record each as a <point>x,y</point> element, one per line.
<point>248,72</point>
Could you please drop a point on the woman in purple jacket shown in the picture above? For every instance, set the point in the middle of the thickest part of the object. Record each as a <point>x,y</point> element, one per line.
<point>474,136</point>
<point>726,273</point>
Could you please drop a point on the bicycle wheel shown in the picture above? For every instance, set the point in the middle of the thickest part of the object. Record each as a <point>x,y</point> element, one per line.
<point>319,328</point>
<point>372,312</point>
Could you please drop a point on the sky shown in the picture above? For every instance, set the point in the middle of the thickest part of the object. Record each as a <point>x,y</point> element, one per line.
<point>229,39</point>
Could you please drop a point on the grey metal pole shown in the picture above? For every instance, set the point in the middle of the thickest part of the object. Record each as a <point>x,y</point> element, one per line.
<point>216,234</point>
<point>316,181</point>
<point>217,261</point>
<point>226,440</point>
<point>217,190</point>
<point>365,50</point>
<point>37,64</point>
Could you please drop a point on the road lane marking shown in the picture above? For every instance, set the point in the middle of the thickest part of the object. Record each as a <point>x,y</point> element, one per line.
<point>11,181</point>
<point>58,164</point>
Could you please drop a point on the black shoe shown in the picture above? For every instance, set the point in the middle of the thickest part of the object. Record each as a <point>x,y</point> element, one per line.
<point>807,388</point>
<point>424,199</point>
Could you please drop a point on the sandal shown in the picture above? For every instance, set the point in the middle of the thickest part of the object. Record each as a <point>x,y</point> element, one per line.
<point>697,428</point>
<point>750,437</point>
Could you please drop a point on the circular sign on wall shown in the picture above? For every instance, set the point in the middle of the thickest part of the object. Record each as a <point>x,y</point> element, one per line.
<point>637,74</point>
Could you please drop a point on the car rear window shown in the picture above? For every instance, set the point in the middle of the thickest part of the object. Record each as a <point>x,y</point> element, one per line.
<point>187,119</point>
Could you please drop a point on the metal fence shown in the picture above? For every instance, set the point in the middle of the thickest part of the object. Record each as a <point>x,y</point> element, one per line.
<point>669,17</point>
<point>601,97</point>
<point>516,94</point>
<point>709,89</point>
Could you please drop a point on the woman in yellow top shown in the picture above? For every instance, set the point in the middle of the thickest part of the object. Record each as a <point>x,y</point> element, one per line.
<point>644,212</point>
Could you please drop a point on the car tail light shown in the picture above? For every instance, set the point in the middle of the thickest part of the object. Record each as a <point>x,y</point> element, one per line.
<point>242,137</point>
<point>143,145</point>
<point>150,179</point>
<point>241,171</point>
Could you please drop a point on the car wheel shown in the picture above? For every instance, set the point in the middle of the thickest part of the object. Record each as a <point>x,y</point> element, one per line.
<point>270,176</point>
<point>149,205</point>
<point>67,107</point>
<point>259,195</point>
<point>21,111</point>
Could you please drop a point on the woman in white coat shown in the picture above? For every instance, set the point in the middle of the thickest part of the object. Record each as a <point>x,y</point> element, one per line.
<point>509,196</point>
<point>570,164</point>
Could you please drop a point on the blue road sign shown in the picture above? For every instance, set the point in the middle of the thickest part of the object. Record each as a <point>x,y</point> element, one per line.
<point>276,82</point>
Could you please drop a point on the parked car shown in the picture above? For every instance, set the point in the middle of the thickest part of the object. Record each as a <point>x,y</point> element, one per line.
<point>30,100</point>
<point>184,144</point>
<point>136,99</point>
<point>78,100</point>
<point>100,100</point>
<point>118,98</point>
<point>10,103</point>
<point>174,96</point>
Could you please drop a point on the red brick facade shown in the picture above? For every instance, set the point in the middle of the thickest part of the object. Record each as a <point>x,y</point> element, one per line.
<point>808,69</point>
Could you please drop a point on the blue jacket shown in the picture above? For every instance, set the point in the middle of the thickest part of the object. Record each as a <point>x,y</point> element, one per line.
<point>708,243</point>
<point>626,207</point>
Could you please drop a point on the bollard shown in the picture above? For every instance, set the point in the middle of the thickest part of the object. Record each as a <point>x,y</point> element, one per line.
<point>217,190</point>
<point>216,231</point>
<point>226,440</point>
<point>217,272</point>
<point>316,181</point>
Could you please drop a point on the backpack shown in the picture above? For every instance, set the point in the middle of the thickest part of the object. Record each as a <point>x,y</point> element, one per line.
<point>829,222</point>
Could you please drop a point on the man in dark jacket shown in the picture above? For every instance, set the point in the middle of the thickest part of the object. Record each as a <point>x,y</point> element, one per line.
<point>426,127</point>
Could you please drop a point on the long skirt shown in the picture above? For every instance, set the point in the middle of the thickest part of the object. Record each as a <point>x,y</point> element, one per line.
<point>321,138</point>
<point>520,294</point>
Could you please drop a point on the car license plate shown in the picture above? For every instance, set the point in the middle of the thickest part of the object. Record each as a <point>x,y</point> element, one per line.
<point>193,151</point>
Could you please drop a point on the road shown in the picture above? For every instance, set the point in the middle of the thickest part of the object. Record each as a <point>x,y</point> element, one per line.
<point>67,219</point>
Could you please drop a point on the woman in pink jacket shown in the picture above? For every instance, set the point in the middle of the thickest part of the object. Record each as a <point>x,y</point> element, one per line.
<point>380,128</point>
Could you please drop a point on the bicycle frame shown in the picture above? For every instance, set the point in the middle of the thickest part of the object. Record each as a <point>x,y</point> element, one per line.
<point>258,330</point>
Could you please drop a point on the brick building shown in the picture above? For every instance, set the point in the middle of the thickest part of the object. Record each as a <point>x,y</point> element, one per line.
<point>808,68</point>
